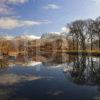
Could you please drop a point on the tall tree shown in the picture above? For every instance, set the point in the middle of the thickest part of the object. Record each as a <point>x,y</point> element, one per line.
<point>77,30</point>
<point>90,32</point>
<point>96,29</point>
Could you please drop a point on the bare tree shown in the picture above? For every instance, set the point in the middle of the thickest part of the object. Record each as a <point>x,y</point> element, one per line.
<point>77,30</point>
<point>90,32</point>
<point>96,29</point>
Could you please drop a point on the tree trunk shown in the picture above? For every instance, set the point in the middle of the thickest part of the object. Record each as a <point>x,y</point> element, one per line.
<point>91,44</point>
<point>99,41</point>
<point>83,44</point>
<point>73,43</point>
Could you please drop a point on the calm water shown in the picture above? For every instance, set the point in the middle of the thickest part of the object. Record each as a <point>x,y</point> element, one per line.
<point>47,77</point>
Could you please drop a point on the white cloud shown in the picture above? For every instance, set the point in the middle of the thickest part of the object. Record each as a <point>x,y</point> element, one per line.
<point>6,9</point>
<point>96,1</point>
<point>65,29</point>
<point>58,33</point>
<point>17,1</point>
<point>10,23</point>
<point>27,36</point>
<point>13,1</point>
<point>51,6</point>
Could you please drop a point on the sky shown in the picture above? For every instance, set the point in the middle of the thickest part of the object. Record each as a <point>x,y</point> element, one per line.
<point>35,17</point>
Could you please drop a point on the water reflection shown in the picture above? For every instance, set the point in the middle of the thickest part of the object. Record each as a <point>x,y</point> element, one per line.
<point>50,76</point>
<point>3,64</point>
<point>83,69</point>
<point>86,70</point>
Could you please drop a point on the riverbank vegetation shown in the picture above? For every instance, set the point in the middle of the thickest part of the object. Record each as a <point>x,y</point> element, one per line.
<point>82,36</point>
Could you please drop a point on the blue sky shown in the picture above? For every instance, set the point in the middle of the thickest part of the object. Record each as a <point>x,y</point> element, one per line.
<point>39,16</point>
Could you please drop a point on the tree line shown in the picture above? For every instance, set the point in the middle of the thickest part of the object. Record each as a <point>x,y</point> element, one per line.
<point>84,33</point>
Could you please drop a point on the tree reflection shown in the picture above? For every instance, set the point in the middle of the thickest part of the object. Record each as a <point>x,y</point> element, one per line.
<point>86,70</point>
<point>3,64</point>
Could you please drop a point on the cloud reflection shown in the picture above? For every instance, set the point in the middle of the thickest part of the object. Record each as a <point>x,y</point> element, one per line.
<point>55,93</point>
<point>11,79</point>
